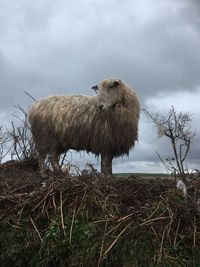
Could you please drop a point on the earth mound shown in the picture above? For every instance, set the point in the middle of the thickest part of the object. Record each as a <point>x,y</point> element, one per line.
<point>96,220</point>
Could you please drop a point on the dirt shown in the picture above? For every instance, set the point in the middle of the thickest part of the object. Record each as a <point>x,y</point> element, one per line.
<point>31,207</point>
<point>20,182</point>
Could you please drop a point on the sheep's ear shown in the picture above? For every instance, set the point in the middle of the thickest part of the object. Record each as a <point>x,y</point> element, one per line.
<point>95,88</point>
<point>114,84</point>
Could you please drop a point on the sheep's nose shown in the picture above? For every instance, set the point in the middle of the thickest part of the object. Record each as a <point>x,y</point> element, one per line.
<point>101,107</point>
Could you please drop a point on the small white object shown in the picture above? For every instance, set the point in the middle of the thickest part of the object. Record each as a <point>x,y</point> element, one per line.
<point>89,167</point>
<point>182,187</point>
<point>43,184</point>
<point>65,169</point>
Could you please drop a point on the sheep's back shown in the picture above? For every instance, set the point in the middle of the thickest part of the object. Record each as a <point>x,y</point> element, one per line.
<point>75,122</point>
<point>56,120</point>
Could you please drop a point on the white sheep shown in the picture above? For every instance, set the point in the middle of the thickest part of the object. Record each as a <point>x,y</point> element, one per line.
<point>105,124</point>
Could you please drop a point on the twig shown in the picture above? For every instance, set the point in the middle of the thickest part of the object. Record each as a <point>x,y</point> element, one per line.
<point>161,244</point>
<point>125,217</point>
<point>154,231</point>
<point>42,200</point>
<point>102,244</point>
<point>43,207</point>
<point>158,206</point>
<point>71,227</point>
<point>13,225</point>
<point>61,213</point>
<point>14,196</point>
<point>195,231</point>
<point>54,202</point>
<point>112,229</point>
<point>113,243</point>
<point>177,228</point>
<point>38,233</point>
<point>20,214</point>
<point>30,96</point>
<point>153,220</point>
<point>84,194</point>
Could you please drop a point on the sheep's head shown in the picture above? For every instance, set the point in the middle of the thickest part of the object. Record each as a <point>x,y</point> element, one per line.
<point>109,93</point>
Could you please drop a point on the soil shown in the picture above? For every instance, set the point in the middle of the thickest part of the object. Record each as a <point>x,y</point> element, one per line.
<point>21,181</point>
<point>31,207</point>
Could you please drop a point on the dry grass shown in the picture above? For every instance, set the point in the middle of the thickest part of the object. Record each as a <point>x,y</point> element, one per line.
<point>96,221</point>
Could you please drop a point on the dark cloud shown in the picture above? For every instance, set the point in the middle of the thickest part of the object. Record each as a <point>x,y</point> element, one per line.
<point>71,46</point>
<point>61,47</point>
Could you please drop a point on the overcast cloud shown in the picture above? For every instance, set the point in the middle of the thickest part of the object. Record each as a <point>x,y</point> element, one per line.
<point>59,47</point>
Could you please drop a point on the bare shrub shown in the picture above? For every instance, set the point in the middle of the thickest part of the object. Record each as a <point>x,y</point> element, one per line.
<point>175,127</point>
<point>23,147</point>
<point>4,139</point>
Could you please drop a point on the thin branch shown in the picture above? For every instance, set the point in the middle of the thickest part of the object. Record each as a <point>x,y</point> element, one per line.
<point>30,96</point>
<point>38,233</point>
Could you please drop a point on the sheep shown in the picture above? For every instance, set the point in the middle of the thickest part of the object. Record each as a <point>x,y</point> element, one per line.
<point>105,124</point>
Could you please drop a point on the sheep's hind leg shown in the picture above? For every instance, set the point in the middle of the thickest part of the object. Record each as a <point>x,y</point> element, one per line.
<point>54,158</point>
<point>41,164</point>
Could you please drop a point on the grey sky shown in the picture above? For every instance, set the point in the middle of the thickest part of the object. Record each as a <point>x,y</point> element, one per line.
<point>58,47</point>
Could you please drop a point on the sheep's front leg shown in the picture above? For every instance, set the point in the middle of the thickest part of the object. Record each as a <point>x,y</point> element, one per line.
<point>106,164</point>
<point>54,158</point>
